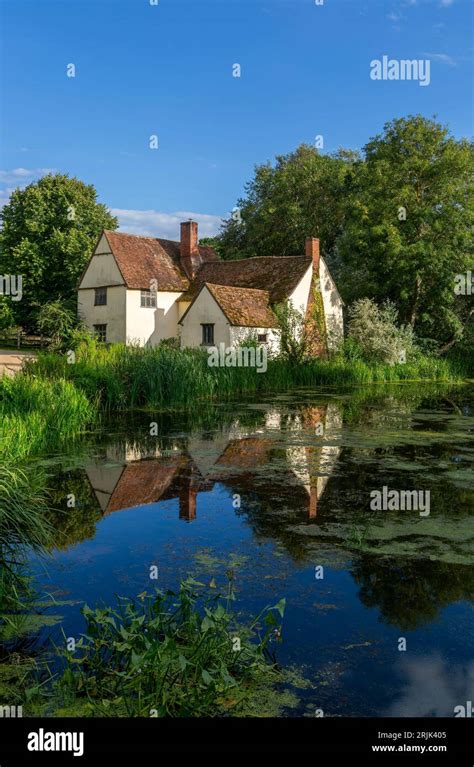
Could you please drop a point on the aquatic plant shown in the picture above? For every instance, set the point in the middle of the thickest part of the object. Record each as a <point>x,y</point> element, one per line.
<point>170,654</point>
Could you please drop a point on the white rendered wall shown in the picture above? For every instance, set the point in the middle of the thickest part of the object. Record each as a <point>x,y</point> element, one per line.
<point>112,315</point>
<point>333,308</point>
<point>147,326</point>
<point>204,310</point>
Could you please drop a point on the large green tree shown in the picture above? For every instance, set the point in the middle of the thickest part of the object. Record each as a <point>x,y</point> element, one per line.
<point>48,232</point>
<point>409,227</point>
<point>302,195</point>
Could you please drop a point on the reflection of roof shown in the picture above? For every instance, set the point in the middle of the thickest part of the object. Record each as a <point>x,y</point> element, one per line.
<point>277,275</point>
<point>142,482</point>
<point>245,453</point>
<point>143,259</point>
<point>244,307</point>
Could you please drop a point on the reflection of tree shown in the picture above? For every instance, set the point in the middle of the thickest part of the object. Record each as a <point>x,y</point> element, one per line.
<point>76,524</point>
<point>410,592</point>
<point>270,515</point>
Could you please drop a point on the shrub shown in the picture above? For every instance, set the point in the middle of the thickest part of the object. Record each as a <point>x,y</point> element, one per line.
<point>374,328</point>
<point>292,332</point>
<point>59,322</point>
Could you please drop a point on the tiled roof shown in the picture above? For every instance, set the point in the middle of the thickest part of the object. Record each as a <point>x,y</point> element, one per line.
<point>244,307</point>
<point>143,259</point>
<point>277,275</point>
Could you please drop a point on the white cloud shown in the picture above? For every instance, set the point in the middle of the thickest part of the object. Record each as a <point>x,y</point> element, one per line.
<point>442,57</point>
<point>22,175</point>
<point>431,687</point>
<point>446,3</point>
<point>153,223</point>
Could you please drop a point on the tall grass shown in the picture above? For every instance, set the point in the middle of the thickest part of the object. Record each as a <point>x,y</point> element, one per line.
<point>37,413</point>
<point>132,377</point>
<point>24,527</point>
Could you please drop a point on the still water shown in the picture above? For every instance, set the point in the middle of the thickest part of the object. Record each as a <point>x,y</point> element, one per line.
<point>278,492</point>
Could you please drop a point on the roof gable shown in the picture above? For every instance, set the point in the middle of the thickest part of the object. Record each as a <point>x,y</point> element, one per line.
<point>142,260</point>
<point>242,307</point>
<point>102,268</point>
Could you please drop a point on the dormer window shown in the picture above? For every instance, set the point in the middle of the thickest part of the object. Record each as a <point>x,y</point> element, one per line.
<point>148,299</point>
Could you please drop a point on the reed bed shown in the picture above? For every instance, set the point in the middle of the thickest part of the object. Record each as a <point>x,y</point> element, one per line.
<point>123,377</point>
<point>40,413</point>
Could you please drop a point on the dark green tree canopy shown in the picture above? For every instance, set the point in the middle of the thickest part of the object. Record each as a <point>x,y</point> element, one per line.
<point>48,232</point>
<point>409,226</point>
<point>301,196</point>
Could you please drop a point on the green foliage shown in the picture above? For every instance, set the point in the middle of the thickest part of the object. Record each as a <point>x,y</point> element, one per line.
<point>7,318</point>
<point>302,195</point>
<point>171,654</point>
<point>48,233</point>
<point>293,339</point>
<point>375,332</point>
<point>37,414</point>
<point>409,227</point>
<point>59,322</point>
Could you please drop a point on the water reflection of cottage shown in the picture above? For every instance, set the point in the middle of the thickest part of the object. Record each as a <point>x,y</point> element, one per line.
<point>237,457</point>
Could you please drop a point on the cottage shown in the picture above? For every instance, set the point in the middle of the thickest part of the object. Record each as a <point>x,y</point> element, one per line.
<point>144,290</point>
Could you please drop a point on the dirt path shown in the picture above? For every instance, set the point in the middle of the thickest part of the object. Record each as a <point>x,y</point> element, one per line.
<point>11,361</point>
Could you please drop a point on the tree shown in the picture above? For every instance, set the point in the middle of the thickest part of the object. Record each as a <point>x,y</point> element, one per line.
<point>57,321</point>
<point>49,231</point>
<point>212,242</point>
<point>7,320</point>
<point>409,227</point>
<point>301,196</point>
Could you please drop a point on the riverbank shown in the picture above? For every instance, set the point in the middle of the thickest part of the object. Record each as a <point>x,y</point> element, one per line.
<point>58,396</point>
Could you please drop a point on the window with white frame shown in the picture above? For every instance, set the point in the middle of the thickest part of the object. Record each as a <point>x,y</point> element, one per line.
<point>148,299</point>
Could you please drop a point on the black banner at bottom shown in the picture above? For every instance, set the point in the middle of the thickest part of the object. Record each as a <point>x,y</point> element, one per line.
<point>47,741</point>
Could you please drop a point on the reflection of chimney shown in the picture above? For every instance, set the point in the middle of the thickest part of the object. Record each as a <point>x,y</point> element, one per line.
<point>313,503</point>
<point>312,251</point>
<point>189,250</point>
<point>187,502</point>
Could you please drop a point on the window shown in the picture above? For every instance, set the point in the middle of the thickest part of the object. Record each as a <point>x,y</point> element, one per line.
<point>262,338</point>
<point>148,299</point>
<point>100,297</point>
<point>207,334</point>
<point>101,332</point>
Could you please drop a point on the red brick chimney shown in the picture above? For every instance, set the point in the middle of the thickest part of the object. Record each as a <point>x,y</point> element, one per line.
<point>189,250</point>
<point>187,503</point>
<point>312,251</point>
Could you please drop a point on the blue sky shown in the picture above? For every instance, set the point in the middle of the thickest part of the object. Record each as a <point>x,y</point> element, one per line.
<point>167,70</point>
